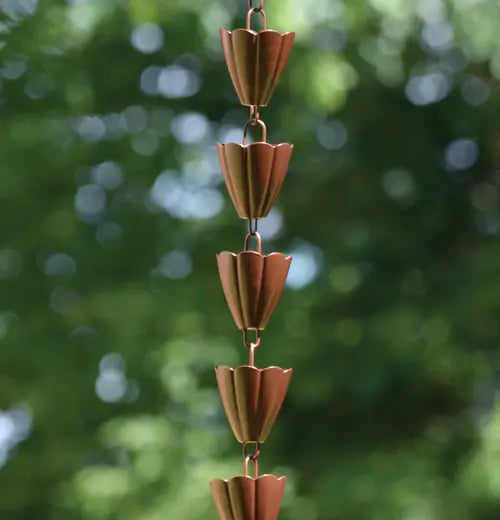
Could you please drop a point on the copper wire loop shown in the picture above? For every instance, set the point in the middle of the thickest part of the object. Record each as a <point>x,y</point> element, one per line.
<point>252,346</point>
<point>259,7</point>
<point>260,11</point>
<point>254,457</point>
<point>254,122</point>
<point>257,237</point>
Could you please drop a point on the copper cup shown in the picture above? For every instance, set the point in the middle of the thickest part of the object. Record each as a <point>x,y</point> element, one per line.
<point>247,498</point>
<point>252,398</point>
<point>254,175</point>
<point>256,61</point>
<point>252,285</point>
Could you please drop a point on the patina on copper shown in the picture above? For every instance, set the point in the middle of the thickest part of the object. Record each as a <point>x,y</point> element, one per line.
<point>247,498</point>
<point>252,399</point>
<point>254,175</point>
<point>256,61</point>
<point>252,285</point>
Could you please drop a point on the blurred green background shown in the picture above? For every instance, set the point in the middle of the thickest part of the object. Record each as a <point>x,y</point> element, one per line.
<point>112,210</point>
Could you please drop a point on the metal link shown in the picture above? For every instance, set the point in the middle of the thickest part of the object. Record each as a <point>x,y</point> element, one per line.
<point>251,346</point>
<point>257,237</point>
<point>254,457</point>
<point>254,122</point>
<point>260,11</point>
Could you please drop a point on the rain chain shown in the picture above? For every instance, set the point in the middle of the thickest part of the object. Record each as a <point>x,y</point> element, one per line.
<point>253,282</point>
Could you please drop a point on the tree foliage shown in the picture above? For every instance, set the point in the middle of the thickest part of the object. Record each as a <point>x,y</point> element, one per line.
<point>112,209</point>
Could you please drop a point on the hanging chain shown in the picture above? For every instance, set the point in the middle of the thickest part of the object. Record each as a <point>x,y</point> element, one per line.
<point>253,239</point>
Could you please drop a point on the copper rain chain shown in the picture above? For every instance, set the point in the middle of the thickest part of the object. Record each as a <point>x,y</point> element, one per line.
<point>253,282</point>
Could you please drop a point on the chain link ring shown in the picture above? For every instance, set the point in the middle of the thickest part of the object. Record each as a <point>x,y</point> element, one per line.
<point>252,346</point>
<point>254,122</point>
<point>254,457</point>
<point>257,236</point>
<point>256,10</point>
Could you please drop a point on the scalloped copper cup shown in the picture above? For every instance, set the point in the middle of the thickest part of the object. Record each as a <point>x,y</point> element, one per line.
<point>252,398</point>
<point>254,174</point>
<point>252,285</point>
<point>247,498</point>
<point>256,61</point>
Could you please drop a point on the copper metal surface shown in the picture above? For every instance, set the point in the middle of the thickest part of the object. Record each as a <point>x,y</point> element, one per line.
<point>247,498</point>
<point>252,285</point>
<point>256,61</point>
<point>252,399</point>
<point>254,175</point>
